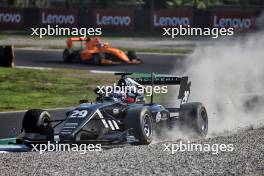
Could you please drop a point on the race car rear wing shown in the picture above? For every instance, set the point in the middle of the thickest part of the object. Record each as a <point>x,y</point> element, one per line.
<point>168,80</point>
<point>184,90</point>
<point>70,40</point>
<point>185,85</point>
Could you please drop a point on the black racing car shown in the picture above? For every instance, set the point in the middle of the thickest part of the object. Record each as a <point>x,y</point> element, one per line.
<point>111,119</point>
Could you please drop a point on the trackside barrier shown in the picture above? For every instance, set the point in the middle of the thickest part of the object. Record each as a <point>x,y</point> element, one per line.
<point>7,56</point>
<point>130,19</point>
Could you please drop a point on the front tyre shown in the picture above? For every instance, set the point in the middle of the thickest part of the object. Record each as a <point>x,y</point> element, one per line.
<point>140,123</point>
<point>194,115</point>
<point>132,55</point>
<point>38,121</point>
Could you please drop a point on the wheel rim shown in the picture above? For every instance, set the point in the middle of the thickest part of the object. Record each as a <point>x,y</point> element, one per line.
<point>147,125</point>
<point>46,122</point>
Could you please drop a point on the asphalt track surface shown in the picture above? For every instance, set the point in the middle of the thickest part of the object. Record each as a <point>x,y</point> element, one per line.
<point>157,63</point>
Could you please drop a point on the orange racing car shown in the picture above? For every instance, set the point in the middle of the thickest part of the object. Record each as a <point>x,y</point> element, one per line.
<point>94,52</point>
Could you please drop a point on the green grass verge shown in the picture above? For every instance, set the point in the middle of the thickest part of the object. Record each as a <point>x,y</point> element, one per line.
<point>23,88</point>
<point>30,88</point>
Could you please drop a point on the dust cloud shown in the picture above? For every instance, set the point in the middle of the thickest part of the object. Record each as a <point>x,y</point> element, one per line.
<point>228,78</point>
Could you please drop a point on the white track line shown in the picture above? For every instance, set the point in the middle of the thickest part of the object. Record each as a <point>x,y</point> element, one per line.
<point>36,68</point>
<point>103,71</point>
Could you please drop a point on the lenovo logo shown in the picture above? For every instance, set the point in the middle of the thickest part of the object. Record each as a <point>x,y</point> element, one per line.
<point>10,18</point>
<point>243,23</point>
<point>113,20</point>
<point>57,19</point>
<point>170,21</point>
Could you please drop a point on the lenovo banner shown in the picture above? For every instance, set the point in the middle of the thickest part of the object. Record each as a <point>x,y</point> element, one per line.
<point>11,18</point>
<point>170,18</point>
<point>114,19</point>
<point>239,20</point>
<point>61,17</point>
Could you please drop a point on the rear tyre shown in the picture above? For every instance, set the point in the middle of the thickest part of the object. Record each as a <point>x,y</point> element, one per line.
<point>194,115</point>
<point>38,121</point>
<point>140,123</point>
<point>66,56</point>
<point>97,59</point>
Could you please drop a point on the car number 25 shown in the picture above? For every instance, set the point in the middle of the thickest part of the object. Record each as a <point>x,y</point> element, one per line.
<point>79,114</point>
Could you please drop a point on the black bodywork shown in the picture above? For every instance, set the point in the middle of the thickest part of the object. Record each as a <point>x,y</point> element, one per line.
<point>107,121</point>
<point>104,122</point>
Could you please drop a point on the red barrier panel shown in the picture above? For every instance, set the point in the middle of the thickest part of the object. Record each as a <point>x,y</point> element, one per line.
<point>170,18</point>
<point>114,19</point>
<point>11,18</point>
<point>240,20</point>
<point>61,17</point>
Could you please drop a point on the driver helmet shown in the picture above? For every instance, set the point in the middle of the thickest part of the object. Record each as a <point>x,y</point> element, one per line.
<point>119,95</point>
